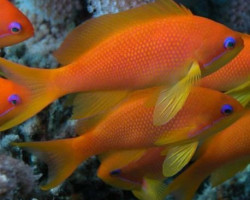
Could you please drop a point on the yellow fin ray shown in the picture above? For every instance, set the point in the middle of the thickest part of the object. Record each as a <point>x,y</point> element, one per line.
<point>241,93</point>
<point>177,158</point>
<point>93,103</point>
<point>171,100</point>
<point>92,32</point>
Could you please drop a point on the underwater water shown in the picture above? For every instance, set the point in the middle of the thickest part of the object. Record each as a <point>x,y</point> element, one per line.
<point>52,21</point>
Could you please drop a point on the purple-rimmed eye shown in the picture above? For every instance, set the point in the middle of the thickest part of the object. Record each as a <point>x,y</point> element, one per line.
<point>227,109</point>
<point>14,99</point>
<point>15,27</point>
<point>229,43</point>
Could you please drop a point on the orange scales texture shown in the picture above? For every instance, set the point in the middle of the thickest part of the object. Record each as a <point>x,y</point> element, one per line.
<point>130,126</point>
<point>139,48</point>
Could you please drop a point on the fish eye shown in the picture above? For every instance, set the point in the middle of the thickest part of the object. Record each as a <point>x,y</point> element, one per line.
<point>229,43</point>
<point>14,99</point>
<point>15,27</point>
<point>226,109</point>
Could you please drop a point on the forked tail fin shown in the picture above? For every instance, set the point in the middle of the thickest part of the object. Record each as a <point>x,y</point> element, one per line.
<point>60,156</point>
<point>40,88</point>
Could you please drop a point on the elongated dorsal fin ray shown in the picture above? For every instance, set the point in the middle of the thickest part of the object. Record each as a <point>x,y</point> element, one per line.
<point>95,30</point>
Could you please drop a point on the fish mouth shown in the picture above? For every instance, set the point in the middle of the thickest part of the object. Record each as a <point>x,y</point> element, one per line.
<point>6,112</point>
<point>219,61</point>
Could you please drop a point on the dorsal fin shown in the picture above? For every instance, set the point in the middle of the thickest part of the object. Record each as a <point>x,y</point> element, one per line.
<point>95,30</point>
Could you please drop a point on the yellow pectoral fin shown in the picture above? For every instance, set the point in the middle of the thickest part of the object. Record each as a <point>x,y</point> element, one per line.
<point>228,171</point>
<point>93,103</point>
<point>171,100</point>
<point>241,93</point>
<point>178,157</point>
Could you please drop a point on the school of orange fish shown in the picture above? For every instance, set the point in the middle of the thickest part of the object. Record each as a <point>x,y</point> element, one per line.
<point>154,87</point>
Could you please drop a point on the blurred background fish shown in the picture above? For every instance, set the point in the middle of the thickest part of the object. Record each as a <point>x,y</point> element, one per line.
<point>15,27</point>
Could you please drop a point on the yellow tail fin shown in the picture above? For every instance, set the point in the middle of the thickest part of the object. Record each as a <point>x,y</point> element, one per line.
<point>40,91</point>
<point>60,156</point>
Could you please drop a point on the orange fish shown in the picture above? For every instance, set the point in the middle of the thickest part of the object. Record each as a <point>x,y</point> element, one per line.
<point>13,97</point>
<point>119,170</point>
<point>222,157</point>
<point>130,126</point>
<point>235,73</point>
<point>160,43</point>
<point>15,27</point>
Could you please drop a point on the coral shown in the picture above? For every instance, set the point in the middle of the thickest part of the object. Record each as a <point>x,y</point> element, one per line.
<point>101,7</point>
<point>235,14</point>
<point>16,178</point>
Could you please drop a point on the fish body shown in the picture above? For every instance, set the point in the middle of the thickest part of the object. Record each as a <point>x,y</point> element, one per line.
<point>160,43</point>
<point>15,27</point>
<point>159,49</point>
<point>221,157</point>
<point>235,73</point>
<point>129,126</point>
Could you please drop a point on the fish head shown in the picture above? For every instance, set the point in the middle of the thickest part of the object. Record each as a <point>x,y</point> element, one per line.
<point>212,108</point>
<point>15,27</point>
<point>219,46</point>
<point>13,99</point>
